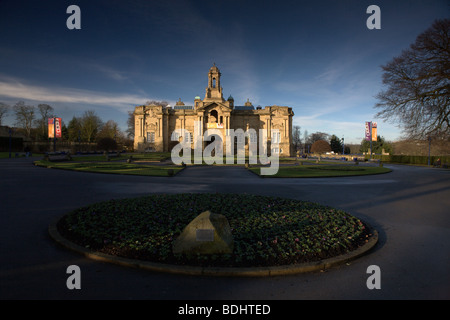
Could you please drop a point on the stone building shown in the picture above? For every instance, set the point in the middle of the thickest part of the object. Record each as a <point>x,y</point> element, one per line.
<point>155,124</point>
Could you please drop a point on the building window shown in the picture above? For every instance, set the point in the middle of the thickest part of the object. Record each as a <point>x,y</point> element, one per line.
<point>175,136</point>
<point>188,137</point>
<point>150,137</point>
<point>275,151</point>
<point>276,137</point>
<point>253,137</point>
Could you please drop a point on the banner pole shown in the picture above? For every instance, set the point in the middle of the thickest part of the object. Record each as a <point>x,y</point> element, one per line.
<point>54,134</point>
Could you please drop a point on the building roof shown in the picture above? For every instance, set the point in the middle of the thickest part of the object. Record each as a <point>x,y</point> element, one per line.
<point>183,107</point>
<point>244,108</point>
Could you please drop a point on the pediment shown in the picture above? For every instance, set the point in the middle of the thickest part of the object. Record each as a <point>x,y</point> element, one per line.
<point>214,105</point>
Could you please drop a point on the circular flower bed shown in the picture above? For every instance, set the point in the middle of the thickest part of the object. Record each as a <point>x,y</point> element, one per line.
<point>267,231</point>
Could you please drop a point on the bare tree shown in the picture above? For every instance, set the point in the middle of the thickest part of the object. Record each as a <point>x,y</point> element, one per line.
<point>90,125</point>
<point>418,85</point>
<point>306,145</point>
<point>24,117</point>
<point>46,111</point>
<point>110,130</point>
<point>4,108</point>
<point>296,138</point>
<point>131,125</point>
<point>316,136</point>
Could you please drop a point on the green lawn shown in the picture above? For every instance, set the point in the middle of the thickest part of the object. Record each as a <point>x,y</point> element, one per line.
<point>153,156</point>
<point>4,155</point>
<point>142,165</point>
<point>112,167</point>
<point>312,171</point>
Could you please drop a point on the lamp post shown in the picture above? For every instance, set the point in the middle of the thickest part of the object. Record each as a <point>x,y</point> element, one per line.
<point>10,133</point>
<point>79,140</point>
<point>54,134</point>
<point>429,150</point>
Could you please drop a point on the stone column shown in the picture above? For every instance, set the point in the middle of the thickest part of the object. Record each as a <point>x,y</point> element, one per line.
<point>285,128</point>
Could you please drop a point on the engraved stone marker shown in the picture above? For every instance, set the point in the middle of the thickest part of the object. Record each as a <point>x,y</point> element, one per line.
<point>208,233</point>
<point>205,235</point>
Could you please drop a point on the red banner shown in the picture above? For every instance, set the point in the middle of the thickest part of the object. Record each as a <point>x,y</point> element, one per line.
<point>54,127</point>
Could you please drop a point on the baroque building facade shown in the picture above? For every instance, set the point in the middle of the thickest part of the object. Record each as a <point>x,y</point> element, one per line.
<point>155,124</point>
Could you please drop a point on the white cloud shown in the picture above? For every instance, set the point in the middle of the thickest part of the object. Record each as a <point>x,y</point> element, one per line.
<point>16,89</point>
<point>110,72</point>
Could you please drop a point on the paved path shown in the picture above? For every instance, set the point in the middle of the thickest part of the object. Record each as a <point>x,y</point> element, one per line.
<point>409,207</point>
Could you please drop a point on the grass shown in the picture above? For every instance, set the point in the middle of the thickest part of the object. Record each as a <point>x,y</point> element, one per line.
<point>112,167</point>
<point>142,165</point>
<point>4,155</point>
<point>313,171</point>
<point>267,231</point>
<point>151,156</point>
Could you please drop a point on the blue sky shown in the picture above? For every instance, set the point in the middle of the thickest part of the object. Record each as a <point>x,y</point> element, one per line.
<point>317,57</point>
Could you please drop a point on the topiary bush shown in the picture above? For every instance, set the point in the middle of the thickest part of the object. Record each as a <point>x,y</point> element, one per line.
<point>320,146</point>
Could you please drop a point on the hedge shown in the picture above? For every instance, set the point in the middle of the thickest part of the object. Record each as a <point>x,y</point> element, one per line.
<point>412,159</point>
<point>16,144</point>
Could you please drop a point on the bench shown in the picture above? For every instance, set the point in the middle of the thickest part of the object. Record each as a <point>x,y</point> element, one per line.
<point>23,154</point>
<point>438,164</point>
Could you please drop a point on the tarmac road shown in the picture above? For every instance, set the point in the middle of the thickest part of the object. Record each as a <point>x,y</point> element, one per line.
<point>409,207</point>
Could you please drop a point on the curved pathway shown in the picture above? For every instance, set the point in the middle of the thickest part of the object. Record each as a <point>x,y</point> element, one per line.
<point>409,207</point>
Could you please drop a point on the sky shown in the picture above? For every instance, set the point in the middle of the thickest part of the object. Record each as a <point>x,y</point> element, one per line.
<point>317,57</point>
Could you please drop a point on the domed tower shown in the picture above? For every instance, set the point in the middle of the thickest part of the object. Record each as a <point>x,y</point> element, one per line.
<point>197,101</point>
<point>214,90</point>
<point>231,101</point>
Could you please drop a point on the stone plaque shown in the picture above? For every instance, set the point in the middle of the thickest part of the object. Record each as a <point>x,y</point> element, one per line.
<point>208,233</point>
<point>205,235</point>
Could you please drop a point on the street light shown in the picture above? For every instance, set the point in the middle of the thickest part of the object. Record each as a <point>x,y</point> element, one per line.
<point>429,150</point>
<point>54,134</point>
<point>10,134</point>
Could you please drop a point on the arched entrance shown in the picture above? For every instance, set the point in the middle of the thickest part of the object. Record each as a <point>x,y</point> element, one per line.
<point>214,116</point>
